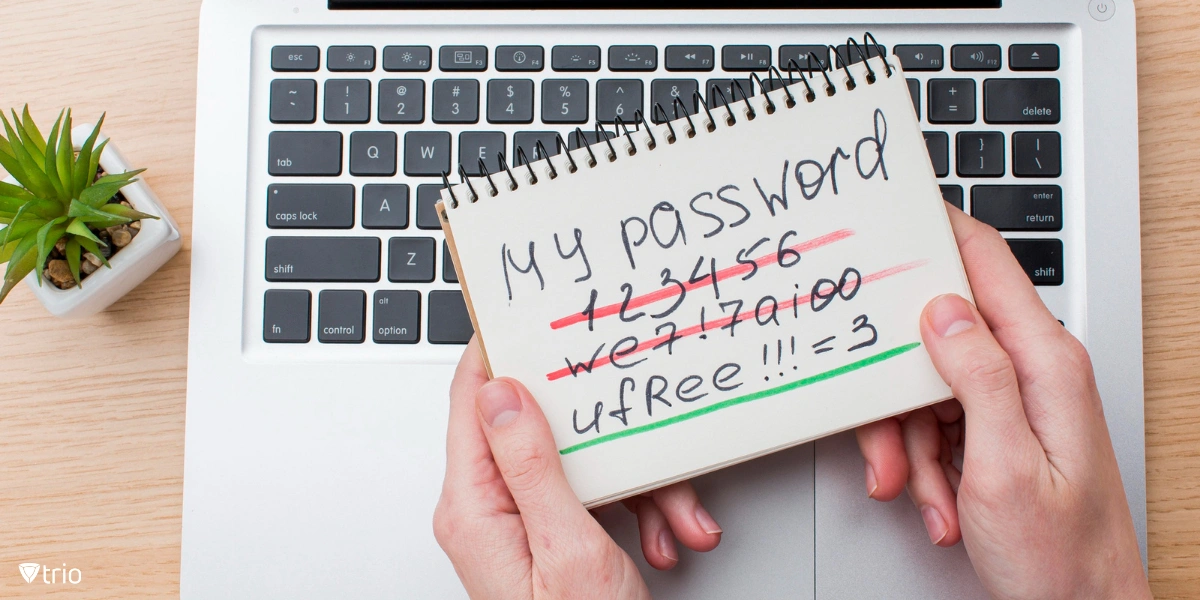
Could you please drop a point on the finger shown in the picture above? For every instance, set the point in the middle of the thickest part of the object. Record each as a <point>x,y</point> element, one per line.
<point>468,457</point>
<point>527,457</point>
<point>980,374</point>
<point>948,411</point>
<point>689,521</point>
<point>882,447</point>
<point>1045,356</point>
<point>658,543</point>
<point>927,483</point>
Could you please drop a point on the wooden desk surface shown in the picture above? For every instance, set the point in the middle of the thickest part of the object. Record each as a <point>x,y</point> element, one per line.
<point>92,412</point>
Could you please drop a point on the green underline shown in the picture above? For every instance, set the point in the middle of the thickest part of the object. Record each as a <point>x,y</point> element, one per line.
<point>787,387</point>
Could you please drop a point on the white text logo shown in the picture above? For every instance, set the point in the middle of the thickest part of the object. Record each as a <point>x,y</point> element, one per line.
<point>57,575</point>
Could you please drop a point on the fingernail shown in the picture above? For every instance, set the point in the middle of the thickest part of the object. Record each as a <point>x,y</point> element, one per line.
<point>951,315</point>
<point>666,546</point>
<point>935,524</point>
<point>707,523</point>
<point>498,402</point>
<point>872,484</point>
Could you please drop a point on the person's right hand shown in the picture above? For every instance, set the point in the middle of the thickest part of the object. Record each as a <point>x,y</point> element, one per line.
<point>1039,502</point>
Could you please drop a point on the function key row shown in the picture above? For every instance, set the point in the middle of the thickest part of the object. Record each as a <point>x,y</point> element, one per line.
<point>914,57</point>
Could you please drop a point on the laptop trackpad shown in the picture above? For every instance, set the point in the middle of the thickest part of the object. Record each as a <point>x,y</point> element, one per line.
<point>765,508</point>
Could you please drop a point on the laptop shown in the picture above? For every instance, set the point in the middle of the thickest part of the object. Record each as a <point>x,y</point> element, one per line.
<point>326,320</point>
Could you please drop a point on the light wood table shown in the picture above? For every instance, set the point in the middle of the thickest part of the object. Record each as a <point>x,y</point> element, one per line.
<point>92,412</point>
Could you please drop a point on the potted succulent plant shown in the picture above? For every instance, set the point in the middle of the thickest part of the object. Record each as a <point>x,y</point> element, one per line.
<point>78,224</point>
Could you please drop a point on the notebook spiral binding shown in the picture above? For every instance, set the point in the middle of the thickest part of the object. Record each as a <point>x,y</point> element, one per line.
<point>679,111</point>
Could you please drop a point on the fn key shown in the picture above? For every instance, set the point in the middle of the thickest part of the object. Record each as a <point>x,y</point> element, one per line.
<point>1041,259</point>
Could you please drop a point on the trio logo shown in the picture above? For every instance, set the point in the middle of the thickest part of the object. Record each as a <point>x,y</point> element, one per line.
<point>29,571</point>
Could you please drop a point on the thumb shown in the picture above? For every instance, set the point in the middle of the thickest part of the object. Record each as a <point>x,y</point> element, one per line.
<point>978,371</point>
<point>527,457</point>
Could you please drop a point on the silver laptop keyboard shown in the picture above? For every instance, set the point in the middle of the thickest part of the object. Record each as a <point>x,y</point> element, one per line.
<point>360,136</point>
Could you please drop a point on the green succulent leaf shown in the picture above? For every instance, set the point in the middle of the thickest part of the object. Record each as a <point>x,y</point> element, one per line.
<point>26,170</point>
<point>51,159</point>
<point>102,191</point>
<point>121,210</point>
<point>12,232</point>
<point>6,251</point>
<point>73,254</point>
<point>97,217</point>
<point>84,161</point>
<point>91,246</point>
<point>66,159</point>
<point>31,128</point>
<point>18,231</point>
<point>22,262</point>
<point>29,135</point>
<point>15,191</point>
<point>79,228</point>
<point>94,165</point>
<point>47,237</point>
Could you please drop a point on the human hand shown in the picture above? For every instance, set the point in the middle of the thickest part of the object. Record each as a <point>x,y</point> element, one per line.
<point>511,524</point>
<point>1039,501</point>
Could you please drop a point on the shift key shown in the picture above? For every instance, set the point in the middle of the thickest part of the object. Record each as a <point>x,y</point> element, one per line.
<point>304,153</point>
<point>323,259</point>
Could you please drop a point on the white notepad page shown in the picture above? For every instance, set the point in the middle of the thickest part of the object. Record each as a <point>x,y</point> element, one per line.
<point>647,371</point>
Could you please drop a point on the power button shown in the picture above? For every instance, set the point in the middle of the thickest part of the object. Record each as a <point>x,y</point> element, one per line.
<point>1102,10</point>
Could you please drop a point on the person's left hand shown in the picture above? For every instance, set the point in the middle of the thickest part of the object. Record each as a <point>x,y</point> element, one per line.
<point>511,524</point>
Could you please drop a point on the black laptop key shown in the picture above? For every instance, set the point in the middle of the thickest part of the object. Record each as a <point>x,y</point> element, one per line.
<point>953,194</point>
<point>727,94</point>
<point>347,101</point>
<point>1037,154</point>
<point>938,145</point>
<point>385,206</point>
<point>373,153</point>
<point>463,58</point>
<point>286,316</point>
<point>520,58</point>
<point>407,58</point>
<point>975,57</point>
<point>456,101</point>
<point>1018,207</point>
<point>295,58</point>
<point>449,321</point>
<point>426,153</point>
<point>323,259</point>
<point>350,58</point>
<point>618,98</point>
<point>746,58</point>
<point>449,275</point>
<point>411,259</point>
<point>510,101</point>
<point>921,57</point>
<point>663,92</point>
<point>1033,57</point>
<point>802,55</point>
<point>527,141</point>
<point>428,195</point>
<point>474,146</point>
<point>689,58</point>
<point>1021,101</point>
<point>632,58</point>
<point>293,101</point>
<point>850,55</point>
<point>564,101</point>
<point>304,153</point>
<point>980,154</point>
<point>1041,259</point>
<point>397,317</point>
<point>401,101</point>
<point>951,100</point>
<point>575,58</point>
<point>341,316</point>
<point>310,206</point>
<point>589,138</point>
<point>914,92</point>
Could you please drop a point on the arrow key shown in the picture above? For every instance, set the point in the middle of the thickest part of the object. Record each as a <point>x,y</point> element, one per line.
<point>293,101</point>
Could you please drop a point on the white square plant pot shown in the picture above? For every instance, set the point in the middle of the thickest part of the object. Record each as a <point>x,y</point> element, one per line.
<point>150,249</point>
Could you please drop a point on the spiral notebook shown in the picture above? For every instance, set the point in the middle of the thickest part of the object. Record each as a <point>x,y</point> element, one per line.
<point>694,294</point>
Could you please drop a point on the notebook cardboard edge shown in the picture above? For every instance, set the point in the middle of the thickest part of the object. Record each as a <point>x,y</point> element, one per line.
<point>462,282</point>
